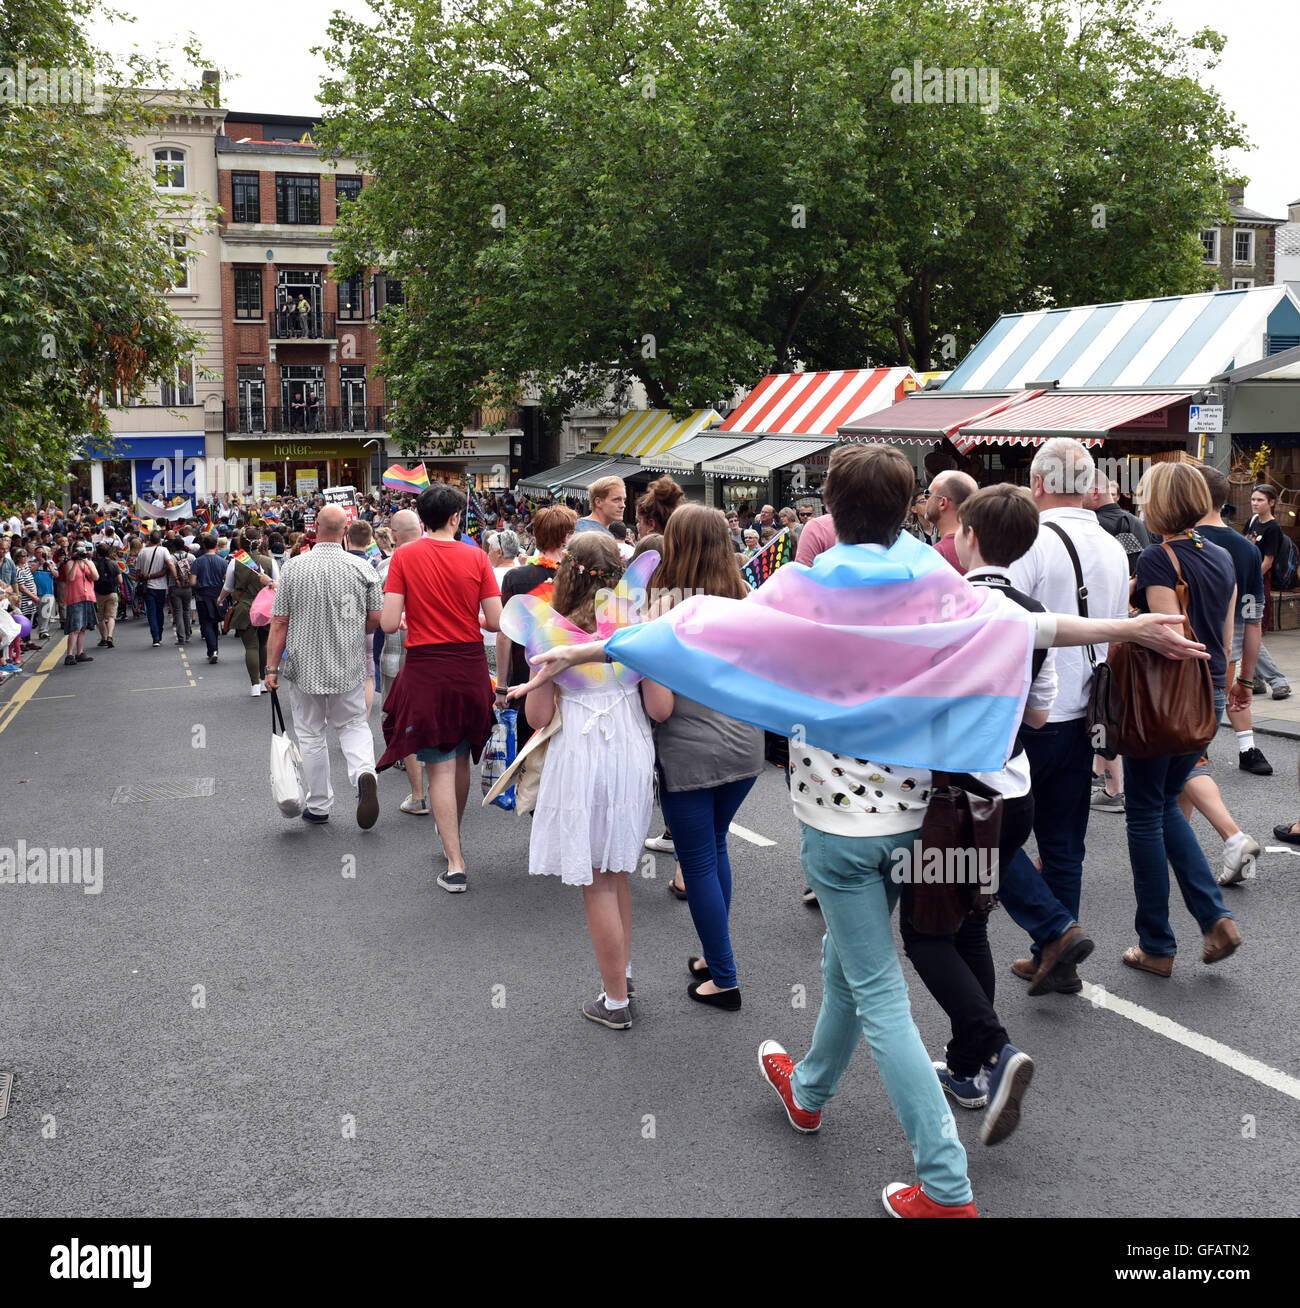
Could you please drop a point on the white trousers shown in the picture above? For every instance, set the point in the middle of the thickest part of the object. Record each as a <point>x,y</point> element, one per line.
<point>346,713</point>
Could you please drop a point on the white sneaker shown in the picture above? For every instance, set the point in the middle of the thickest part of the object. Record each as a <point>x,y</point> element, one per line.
<point>662,843</point>
<point>256,689</point>
<point>1239,855</point>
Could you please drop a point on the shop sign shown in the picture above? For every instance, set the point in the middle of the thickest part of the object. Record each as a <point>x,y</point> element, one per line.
<point>1205,417</point>
<point>1160,418</point>
<point>300,449</point>
<point>457,447</point>
<point>307,483</point>
<point>266,484</point>
<point>735,468</point>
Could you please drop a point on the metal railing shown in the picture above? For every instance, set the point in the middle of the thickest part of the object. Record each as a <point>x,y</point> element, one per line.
<point>290,325</point>
<point>246,421</point>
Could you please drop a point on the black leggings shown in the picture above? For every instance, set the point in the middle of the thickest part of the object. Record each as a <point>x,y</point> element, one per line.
<point>255,639</point>
<point>958,969</point>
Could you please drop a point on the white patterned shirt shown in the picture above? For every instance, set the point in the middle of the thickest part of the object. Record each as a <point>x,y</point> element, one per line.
<point>327,594</point>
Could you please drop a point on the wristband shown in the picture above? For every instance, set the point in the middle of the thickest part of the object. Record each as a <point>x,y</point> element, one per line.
<point>1245,681</point>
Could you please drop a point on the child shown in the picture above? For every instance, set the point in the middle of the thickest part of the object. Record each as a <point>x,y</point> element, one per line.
<point>596,789</point>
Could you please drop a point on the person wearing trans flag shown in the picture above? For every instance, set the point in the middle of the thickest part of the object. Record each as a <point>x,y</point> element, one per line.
<point>879,662</point>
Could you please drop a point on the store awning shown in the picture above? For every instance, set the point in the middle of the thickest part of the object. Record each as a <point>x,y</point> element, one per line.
<point>651,431</point>
<point>758,460</point>
<point>576,486</point>
<point>548,482</point>
<point>817,403</point>
<point>686,458</point>
<point>1089,418</point>
<point>924,417</point>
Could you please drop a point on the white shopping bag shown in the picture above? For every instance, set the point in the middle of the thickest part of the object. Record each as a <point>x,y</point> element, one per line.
<point>288,788</point>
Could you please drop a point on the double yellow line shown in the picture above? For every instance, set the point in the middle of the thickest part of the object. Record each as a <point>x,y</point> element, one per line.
<point>32,684</point>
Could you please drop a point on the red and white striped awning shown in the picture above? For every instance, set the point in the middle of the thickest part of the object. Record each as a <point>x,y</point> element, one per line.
<point>817,403</point>
<point>1088,418</point>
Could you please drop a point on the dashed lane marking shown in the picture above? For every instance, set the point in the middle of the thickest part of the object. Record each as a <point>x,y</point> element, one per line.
<point>145,690</point>
<point>752,836</point>
<point>1171,1030</point>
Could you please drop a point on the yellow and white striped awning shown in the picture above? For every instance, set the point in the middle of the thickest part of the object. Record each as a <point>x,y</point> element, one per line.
<point>652,431</point>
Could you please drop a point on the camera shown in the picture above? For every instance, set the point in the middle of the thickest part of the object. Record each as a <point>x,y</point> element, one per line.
<point>82,550</point>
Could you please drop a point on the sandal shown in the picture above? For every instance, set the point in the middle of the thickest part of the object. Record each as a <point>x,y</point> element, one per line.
<point>1156,964</point>
<point>679,891</point>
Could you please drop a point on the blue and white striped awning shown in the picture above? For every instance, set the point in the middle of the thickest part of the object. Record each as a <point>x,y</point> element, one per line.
<point>1180,340</point>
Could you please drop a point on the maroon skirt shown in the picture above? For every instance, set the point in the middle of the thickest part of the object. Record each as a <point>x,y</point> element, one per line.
<point>442,695</point>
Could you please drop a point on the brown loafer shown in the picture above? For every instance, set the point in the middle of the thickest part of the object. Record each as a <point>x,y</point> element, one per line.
<point>1221,940</point>
<point>1156,964</point>
<point>1068,984</point>
<point>1024,968</point>
<point>1059,959</point>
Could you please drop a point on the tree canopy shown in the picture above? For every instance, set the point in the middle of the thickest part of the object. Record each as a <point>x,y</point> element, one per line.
<point>694,195</point>
<point>82,265</point>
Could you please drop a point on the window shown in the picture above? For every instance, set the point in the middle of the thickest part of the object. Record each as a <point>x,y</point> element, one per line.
<point>393,291</point>
<point>169,169</point>
<point>178,242</point>
<point>346,189</point>
<point>251,379</point>
<point>245,198</point>
<point>1242,283</point>
<point>179,387</point>
<point>1243,246</point>
<point>297,198</point>
<point>1210,240</point>
<point>248,292</point>
<point>352,298</point>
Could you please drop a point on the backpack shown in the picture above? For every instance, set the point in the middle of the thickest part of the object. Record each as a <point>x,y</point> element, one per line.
<point>1286,565</point>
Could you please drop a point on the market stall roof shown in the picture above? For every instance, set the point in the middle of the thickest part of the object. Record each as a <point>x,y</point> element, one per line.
<point>687,457</point>
<point>760,458</point>
<point>1179,340</point>
<point>923,418</point>
<point>576,486</point>
<point>1089,417</point>
<point>1282,366</point>
<point>552,479</point>
<point>816,403</point>
<point>645,432</point>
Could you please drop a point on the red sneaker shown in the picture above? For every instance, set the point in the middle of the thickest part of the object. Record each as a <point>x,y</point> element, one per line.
<point>776,1066</point>
<point>911,1201</point>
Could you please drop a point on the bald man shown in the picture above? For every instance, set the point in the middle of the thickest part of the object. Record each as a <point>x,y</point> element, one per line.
<point>948,492</point>
<point>325,603</point>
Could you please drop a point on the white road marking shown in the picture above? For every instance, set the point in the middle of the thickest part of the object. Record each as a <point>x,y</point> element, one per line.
<point>1282,849</point>
<point>1239,1062</point>
<point>752,836</point>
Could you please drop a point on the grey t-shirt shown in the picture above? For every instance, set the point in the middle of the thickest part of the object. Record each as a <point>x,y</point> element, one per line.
<point>698,747</point>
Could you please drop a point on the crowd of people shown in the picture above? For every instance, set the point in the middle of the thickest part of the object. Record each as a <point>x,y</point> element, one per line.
<point>400,606</point>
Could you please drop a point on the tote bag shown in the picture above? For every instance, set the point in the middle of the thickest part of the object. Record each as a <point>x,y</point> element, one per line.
<point>288,787</point>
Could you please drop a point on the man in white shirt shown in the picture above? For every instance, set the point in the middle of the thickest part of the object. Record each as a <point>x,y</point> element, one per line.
<point>1060,752</point>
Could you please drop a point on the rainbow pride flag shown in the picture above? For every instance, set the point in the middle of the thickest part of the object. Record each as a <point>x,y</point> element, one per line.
<point>413,480</point>
<point>775,554</point>
<point>887,655</point>
<point>244,557</point>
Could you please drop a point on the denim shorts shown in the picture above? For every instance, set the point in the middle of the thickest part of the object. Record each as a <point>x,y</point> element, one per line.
<point>1202,768</point>
<point>442,755</point>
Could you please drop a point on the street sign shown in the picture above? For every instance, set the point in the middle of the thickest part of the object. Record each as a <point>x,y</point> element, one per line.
<point>1205,417</point>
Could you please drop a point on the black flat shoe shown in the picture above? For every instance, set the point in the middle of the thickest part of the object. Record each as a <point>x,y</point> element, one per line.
<point>728,999</point>
<point>1284,832</point>
<point>700,973</point>
<point>677,890</point>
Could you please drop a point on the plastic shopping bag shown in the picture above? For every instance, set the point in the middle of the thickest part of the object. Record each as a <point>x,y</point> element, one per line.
<point>288,787</point>
<point>259,611</point>
<point>499,755</point>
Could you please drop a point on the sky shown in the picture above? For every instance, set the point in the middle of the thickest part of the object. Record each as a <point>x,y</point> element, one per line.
<point>265,48</point>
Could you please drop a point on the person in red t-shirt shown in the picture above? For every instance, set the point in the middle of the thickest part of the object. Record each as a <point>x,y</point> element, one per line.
<point>440,706</point>
<point>948,492</point>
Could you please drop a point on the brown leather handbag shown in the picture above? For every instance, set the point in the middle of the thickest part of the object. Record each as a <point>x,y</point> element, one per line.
<point>1165,707</point>
<point>955,855</point>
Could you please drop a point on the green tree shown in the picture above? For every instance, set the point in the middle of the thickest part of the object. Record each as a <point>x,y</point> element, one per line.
<point>82,262</point>
<point>693,196</point>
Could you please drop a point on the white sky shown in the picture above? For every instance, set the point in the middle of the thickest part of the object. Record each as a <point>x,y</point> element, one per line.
<point>265,46</point>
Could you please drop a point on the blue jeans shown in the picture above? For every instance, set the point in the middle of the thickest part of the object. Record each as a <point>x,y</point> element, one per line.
<point>864,994</point>
<point>1060,763</point>
<point>699,820</point>
<point>155,604</point>
<point>1159,835</point>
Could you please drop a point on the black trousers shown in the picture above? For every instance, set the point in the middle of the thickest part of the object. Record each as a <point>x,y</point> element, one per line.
<point>958,969</point>
<point>209,620</point>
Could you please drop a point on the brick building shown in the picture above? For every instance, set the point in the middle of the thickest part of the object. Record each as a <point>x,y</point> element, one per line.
<point>303,396</point>
<point>1244,251</point>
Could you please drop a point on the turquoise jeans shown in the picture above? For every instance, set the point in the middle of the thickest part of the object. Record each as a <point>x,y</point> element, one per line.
<point>864,994</point>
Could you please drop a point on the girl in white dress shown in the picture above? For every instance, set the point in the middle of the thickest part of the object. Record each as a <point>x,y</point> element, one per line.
<point>596,789</point>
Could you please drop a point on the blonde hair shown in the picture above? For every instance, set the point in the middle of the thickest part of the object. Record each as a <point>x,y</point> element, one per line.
<point>1174,497</point>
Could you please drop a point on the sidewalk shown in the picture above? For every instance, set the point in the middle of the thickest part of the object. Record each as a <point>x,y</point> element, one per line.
<point>1281,717</point>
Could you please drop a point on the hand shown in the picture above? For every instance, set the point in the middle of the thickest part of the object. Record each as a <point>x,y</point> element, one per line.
<point>548,665</point>
<point>1162,632</point>
<point>1239,697</point>
<point>272,680</point>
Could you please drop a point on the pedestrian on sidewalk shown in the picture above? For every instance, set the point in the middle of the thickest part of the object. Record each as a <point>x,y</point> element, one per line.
<point>325,602</point>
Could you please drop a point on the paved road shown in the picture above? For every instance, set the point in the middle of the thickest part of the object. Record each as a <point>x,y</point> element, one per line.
<point>370,1000</point>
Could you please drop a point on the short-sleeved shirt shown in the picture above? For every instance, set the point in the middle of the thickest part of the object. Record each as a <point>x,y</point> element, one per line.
<point>948,548</point>
<point>817,535</point>
<point>78,588</point>
<point>444,582</point>
<point>25,582</point>
<point>44,579</point>
<point>590,524</point>
<point>149,561</point>
<point>209,572</point>
<point>1267,537</point>
<point>1210,577</point>
<point>326,594</point>
<point>1247,564</point>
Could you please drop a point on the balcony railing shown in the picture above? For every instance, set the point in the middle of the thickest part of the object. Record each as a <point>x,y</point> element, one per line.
<point>324,418</point>
<point>290,325</point>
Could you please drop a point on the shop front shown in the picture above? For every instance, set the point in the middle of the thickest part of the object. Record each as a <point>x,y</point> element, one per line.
<point>300,466</point>
<point>480,460</point>
<point>778,472</point>
<point>685,463</point>
<point>643,435</point>
<point>152,466</point>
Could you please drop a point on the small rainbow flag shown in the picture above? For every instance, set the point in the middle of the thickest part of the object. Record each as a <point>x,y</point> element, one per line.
<point>775,554</point>
<point>413,480</point>
<point>243,556</point>
<point>100,520</point>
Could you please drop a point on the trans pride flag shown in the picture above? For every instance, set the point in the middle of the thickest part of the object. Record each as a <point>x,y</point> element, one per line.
<point>883,655</point>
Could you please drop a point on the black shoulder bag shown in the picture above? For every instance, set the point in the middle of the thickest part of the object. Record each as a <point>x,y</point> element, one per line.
<point>955,855</point>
